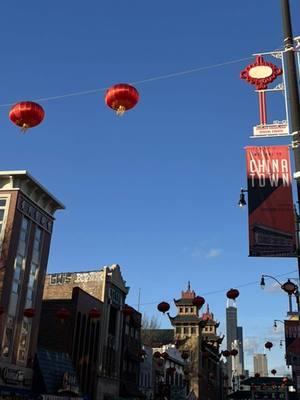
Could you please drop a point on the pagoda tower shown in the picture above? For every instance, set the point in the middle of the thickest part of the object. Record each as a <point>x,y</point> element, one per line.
<point>197,339</point>
<point>187,332</point>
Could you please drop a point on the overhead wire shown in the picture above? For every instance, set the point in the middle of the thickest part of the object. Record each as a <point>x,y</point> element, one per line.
<point>224,290</point>
<point>139,82</point>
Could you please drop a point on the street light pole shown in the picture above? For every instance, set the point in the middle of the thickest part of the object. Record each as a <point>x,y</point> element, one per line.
<point>293,100</point>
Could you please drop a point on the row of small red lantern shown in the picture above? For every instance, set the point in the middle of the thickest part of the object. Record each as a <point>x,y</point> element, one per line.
<point>28,114</point>
<point>63,313</point>
<point>198,301</point>
<point>227,353</point>
<point>165,355</point>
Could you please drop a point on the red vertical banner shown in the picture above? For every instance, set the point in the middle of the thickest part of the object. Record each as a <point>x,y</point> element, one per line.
<point>272,228</point>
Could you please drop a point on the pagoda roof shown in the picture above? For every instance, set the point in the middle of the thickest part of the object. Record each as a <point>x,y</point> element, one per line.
<point>184,302</point>
<point>157,337</point>
<point>185,319</point>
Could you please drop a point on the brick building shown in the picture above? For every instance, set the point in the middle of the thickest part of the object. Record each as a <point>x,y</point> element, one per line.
<point>75,329</point>
<point>26,222</point>
<point>108,286</point>
<point>131,355</point>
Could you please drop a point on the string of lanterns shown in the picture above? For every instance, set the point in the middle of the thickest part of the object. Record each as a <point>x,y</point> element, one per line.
<point>28,114</point>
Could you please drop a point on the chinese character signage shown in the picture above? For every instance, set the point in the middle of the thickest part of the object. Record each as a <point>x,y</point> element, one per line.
<point>270,203</point>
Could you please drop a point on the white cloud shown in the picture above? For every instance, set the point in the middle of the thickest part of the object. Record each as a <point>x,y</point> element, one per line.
<point>273,288</point>
<point>251,345</point>
<point>212,253</point>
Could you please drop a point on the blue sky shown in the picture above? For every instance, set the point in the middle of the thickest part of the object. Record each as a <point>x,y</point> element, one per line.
<point>156,190</point>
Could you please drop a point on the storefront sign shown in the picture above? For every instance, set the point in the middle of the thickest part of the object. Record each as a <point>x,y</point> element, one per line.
<point>12,376</point>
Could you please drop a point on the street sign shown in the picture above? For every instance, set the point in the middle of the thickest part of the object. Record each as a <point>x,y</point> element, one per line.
<point>271,130</point>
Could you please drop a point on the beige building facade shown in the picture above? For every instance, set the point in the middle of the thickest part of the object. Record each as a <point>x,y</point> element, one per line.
<point>110,288</point>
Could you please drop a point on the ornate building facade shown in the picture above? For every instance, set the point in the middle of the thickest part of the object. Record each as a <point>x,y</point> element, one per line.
<point>26,221</point>
<point>196,337</point>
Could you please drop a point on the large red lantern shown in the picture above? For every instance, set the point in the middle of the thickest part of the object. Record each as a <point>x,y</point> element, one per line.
<point>234,352</point>
<point>121,97</point>
<point>233,294</point>
<point>29,312</point>
<point>163,307</point>
<point>198,301</point>
<point>165,355</point>
<point>26,114</point>
<point>94,313</point>
<point>184,355</point>
<point>63,314</point>
<point>268,345</point>
<point>226,353</point>
<point>257,375</point>
<point>273,371</point>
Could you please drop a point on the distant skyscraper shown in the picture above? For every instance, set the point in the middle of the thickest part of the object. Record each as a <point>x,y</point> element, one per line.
<point>241,346</point>
<point>231,334</point>
<point>260,363</point>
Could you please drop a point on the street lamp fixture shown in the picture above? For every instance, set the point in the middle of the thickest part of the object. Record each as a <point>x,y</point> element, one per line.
<point>288,287</point>
<point>275,323</point>
<point>242,202</point>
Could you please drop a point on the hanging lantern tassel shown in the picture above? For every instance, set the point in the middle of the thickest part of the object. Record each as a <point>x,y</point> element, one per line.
<point>120,111</point>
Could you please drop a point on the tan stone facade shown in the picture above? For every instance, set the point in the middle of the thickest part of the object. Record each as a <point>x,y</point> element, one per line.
<point>108,286</point>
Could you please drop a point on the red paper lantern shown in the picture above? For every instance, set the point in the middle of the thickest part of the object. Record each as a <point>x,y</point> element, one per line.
<point>198,301</point>
<point>233,294</point>
<point>63,314</point>
<point>143,353</point>
<point>268,345</point>
<point>226,353</point>
<point>163,307</point>
<point>94,313</point>
<point>121,97</point>
<point>127,310</point>
<point>159,362</point>
<point>171,370</point>
<point>273,372</point>
<point>257,375</point>
<point>234,352</point>
<point>156,354</point>
<point>165,355</point>
<point>29,312</point>
<point>26,114</point>
<point>184,355</point>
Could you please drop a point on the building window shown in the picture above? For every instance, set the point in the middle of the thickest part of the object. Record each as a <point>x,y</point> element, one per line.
<point>192,309</point>
<point>186,330</point>
<point>193,330</point>
<point>3,216</point>
<point>8,337</point>
<point>186,310</point>
<point>178,330</point>
<point>16,286</point>
<point>180,310</point>
<point>23,344</point>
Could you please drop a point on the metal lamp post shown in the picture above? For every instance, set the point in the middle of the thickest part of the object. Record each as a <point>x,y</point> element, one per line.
<point>293,100</point>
